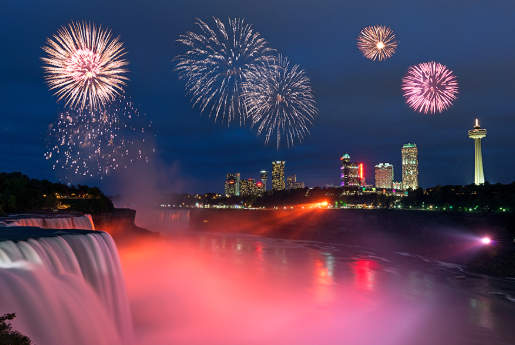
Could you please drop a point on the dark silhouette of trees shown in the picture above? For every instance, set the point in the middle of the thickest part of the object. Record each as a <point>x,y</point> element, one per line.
<point>479,198</point>
<point>19,193</point>
<point>10,337</point>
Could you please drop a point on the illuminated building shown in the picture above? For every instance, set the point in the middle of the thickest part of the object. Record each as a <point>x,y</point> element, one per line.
<point>361,173</point>
<point>232,185</point>
<point>477,133</point>
<point>250,187</point>
<point>259,188</point>
<point>278,175</point>
<point>264,177</point>
<point>384,175</point>
<point>409,166</point>
<point>397,185</point>
<point>247,187</point>
<point>292,182</point>
<point>349,172</point>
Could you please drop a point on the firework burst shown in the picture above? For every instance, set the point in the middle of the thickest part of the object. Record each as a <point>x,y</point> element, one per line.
<point>377,42</point>
<point>85,65</point>
<point>217,63</point>
<point>279,100</point>
<point>95,143</point>
<point>429,87</point>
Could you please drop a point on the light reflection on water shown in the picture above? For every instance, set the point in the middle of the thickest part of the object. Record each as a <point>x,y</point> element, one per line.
<point>242,289</point>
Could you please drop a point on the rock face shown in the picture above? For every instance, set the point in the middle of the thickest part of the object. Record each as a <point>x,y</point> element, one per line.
<point>120,224</point>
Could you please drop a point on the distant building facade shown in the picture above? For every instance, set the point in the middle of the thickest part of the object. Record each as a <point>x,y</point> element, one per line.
<point>409,166</point>
<point>349,172</point>
<point>232,185</point>
<point>264,177</point>
<point>291,182</point>
<point>397,186</point>
<point>384,175</point>
<point>248,187</point>
<point>278,175</point>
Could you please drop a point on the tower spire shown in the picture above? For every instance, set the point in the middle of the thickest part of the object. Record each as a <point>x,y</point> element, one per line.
<point>477,133</point>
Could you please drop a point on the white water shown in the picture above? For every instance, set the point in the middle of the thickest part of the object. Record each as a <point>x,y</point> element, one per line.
<point>82,222</point>
<point>68,289</point>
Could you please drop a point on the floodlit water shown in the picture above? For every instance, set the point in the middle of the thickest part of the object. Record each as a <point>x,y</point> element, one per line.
<point>242,289</point>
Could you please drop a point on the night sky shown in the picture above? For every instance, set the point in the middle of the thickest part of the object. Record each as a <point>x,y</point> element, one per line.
<point>362,109</point>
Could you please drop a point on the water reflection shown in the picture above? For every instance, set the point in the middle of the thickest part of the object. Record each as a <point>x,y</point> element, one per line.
<point>238,289</point>
<point>365,272</point>
<point>481,312</point>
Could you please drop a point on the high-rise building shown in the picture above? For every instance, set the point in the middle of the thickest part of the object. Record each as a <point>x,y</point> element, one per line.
<point>259,188</point>
<point>384,175</point>
<point>361,173</point>
<point>477,133</point>
<point>248,187</point>
<point>232,184</point>
<point>409,166</point>
<point>278,175</point>
<point>349,172</point>
<point>291,182</point>
<point>264,177</point>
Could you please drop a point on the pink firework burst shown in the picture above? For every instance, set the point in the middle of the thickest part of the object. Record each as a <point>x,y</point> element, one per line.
<point>377,42</point>
<point>429,87</point>
<point>85,65</point>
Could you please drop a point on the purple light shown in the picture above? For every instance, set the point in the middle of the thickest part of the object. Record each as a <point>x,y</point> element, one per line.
<point>486,240</point>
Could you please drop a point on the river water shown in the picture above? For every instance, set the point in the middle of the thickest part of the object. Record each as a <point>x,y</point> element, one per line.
<point>197,288</point>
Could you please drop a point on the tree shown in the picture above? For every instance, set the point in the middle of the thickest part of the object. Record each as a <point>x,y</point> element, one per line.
<point>10,337</point>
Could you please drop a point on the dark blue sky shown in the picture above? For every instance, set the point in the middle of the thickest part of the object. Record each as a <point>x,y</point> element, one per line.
<point>362,110</point>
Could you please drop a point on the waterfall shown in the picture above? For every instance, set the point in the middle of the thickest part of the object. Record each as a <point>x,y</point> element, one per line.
<point>173,216</point>
<point>67,289</point>
<point>79,222</point>
<point>163,220</point>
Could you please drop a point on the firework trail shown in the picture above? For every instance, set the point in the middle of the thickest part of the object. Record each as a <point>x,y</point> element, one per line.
<point>377,42</point>
<point>95,143</point>
<point>217,63</point>
<point>85,65</point>
<point>429,87</point>
<point>279,100</point>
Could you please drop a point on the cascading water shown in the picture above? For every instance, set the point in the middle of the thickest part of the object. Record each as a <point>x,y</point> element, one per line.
<point>67,289</point>
<point>79,222</point>
<point>163,220</point>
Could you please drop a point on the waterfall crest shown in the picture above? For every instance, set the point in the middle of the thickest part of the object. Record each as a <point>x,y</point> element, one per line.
<point>79,222</point>
<point>67,289</point>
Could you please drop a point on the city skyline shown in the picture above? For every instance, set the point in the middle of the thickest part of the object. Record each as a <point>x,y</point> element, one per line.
<point>361,105</point>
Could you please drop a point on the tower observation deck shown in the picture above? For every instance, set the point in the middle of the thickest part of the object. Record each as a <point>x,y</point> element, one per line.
<point>477,133</point>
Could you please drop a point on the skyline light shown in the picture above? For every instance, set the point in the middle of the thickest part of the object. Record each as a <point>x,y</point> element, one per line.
<point>351,91</point>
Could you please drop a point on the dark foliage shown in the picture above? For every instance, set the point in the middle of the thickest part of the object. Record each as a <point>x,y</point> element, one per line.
<point>10,337</point>
<point>476,198</point>
<point>19,193</point>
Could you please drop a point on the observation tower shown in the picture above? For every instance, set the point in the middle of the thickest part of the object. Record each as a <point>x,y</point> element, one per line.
<point>477,133</point>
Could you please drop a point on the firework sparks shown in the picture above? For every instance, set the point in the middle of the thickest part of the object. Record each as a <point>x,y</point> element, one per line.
<point>280,99</point>
<point>92,143</point>
<point>377,42</point>
<point>216,65</point>
<point>429,87</point>
<point>84,65</point>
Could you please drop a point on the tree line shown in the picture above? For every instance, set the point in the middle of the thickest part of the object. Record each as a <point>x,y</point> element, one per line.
<point>19,193</point>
